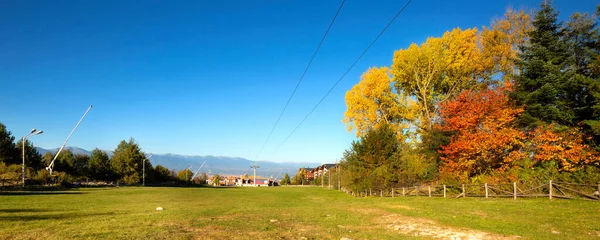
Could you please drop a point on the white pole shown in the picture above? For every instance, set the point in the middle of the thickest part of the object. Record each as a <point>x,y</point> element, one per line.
<point>486,190</point>
<point>254,167</point>
<point>49,168</point>
<point>144,169</point>
<point>23,166</point>
<point>550,190</point>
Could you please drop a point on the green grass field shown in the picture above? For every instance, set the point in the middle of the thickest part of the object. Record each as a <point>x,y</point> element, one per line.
<point>300,213</point>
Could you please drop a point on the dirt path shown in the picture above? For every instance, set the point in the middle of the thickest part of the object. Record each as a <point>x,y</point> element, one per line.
<point>429,228</point>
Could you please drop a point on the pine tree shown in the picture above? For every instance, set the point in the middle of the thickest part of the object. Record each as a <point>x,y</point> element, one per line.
<point>127,162</point>
<point>557,81</point>
<point>543,73</point>
<point>9,153</point>
<point>99,165</point>
<point>286,180</point>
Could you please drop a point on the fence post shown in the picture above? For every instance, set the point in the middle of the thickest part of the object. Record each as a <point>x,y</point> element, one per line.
<point>464,193</point>
<point>444,190</point>
<point>370,192</point>
<point>403,192</point>
<point>429,190</point>
<point>550,190</point>
<point>515,190</point>
<point>486,191</point>
<point>380,193</point>
<point>392,192</point>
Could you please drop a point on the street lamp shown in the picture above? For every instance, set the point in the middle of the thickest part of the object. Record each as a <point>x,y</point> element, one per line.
<point>254,166</point>
<point>144,170</point>
<point>33,132</point>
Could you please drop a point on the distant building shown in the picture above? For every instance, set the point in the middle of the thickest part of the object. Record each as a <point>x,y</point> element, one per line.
<point>312,173</point>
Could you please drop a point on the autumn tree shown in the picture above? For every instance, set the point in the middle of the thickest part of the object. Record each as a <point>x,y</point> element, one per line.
<point>501,43</point>
<point>185,175</point>
<point>299,178</point>
<point>484,138</point>
<point>372,102</point>
<point>566,148</point>
<point>437,70</point>
<point>216,181</point>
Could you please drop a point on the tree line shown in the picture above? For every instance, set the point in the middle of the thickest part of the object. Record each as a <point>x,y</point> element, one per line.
<point>124,166</point>
<point>518,100</point>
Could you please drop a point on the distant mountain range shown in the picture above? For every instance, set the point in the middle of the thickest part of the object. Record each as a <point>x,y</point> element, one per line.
<point>213,165</point>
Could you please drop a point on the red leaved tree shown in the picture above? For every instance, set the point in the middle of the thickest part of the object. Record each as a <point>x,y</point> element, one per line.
<point>484,138</point>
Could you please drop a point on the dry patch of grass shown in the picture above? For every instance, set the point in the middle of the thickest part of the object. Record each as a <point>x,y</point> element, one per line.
<point>428,228</point>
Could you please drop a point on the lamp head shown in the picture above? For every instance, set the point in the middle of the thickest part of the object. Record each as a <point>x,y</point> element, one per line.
<point>32,130</point>
<point>39,132</point>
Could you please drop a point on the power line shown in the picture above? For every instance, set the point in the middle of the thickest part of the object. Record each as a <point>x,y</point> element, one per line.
<point>345,73</point>
<point>300,80</point>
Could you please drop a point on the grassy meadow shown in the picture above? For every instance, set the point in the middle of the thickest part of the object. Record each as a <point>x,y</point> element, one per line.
<point>284,213</point>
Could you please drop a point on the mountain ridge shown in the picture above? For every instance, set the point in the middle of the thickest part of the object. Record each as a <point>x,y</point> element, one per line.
<point>214,164</point>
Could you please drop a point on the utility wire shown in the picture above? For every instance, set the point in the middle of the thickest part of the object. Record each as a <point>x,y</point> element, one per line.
<point>300,80</point>
<point>345,73</point>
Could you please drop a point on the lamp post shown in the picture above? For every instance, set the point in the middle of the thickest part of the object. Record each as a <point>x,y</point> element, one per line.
<point>33,132</point>
<point>144,169</point>
<point>254,166</point>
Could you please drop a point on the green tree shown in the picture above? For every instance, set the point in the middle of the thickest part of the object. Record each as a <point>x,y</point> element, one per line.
<point>10,174</point>
<point>583,90</point>
<point>33,159</point>
<point>127,161</point>
<point>540,86</point>
<point>185,175</point>
<point>47,158</point>
<point>370,163</point>
<point>99,166</point>
<point>162,173</point>
<point>582,37</point>
<point>81,166</point>
<point>9,153</point>
<point>286,180</point>
<point>65,162</point>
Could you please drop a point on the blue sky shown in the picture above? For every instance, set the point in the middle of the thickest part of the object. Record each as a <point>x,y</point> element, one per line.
<point>206,77</point>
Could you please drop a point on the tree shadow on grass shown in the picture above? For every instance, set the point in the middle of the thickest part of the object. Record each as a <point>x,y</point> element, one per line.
<point>18,210</point>
<point>55,216</point>
<point>20,193</point>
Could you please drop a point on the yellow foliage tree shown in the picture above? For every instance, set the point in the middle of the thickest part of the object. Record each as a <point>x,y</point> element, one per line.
<point>436,70</point>
<point>500,43</point>
<point>372,102</point>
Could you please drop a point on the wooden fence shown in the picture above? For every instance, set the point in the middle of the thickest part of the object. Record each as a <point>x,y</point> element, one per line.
<point>550,190</point>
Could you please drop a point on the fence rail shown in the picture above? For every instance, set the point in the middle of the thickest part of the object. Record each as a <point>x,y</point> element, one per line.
<point>550,190</point>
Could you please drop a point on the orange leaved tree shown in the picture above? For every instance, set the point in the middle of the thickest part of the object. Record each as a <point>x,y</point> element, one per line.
<point>483,136</point>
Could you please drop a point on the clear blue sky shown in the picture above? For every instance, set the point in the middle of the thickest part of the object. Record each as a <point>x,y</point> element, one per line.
<point>206,77</point>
